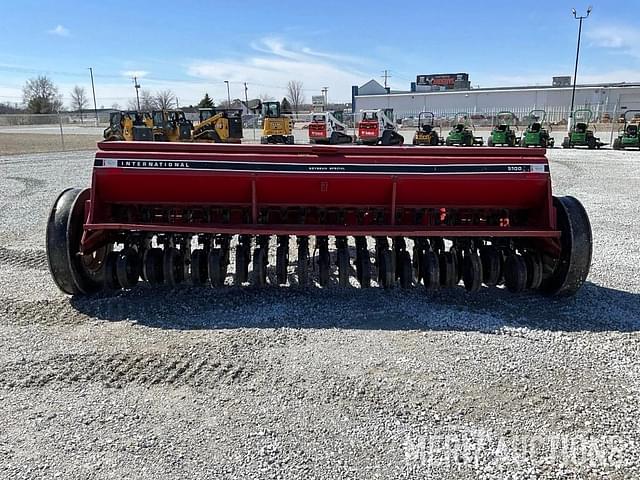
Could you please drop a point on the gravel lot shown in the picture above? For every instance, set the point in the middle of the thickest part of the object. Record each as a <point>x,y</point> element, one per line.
<point>287,383</point>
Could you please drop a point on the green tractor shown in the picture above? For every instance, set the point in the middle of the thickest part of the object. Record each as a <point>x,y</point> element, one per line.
<point>580,135</point>
<point>426,133</point>
<point>536,134</point>
<point>628,136</point>
<point>462,132</point>
<point>503,133</point>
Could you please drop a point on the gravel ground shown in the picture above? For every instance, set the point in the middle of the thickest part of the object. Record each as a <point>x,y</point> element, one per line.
<point>320,383</point>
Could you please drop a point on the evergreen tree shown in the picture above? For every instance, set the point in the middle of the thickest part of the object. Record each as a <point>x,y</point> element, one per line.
<point>206,102</point>
<point>285,106</point>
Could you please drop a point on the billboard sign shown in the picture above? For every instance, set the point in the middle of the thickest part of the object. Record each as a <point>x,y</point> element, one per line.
<point>444,81</point>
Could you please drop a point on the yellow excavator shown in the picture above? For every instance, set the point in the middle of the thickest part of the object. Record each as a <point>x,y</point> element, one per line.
<point>218,125</point>
<point>129,125</point>
<point>171,126</point>
<point>276,128</point>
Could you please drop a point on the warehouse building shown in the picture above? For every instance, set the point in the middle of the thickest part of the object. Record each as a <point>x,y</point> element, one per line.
<point>446,94</point>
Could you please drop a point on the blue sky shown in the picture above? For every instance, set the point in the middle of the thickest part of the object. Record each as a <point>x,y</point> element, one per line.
<point>193,46</point>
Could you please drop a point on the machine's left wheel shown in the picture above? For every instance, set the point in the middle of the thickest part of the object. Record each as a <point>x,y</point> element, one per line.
<point>282,261</point>
<point>430,269</point>
<point>72,273</point>
<point>214,261</point>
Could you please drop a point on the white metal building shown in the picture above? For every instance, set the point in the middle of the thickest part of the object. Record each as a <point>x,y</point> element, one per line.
<point>606,98</point>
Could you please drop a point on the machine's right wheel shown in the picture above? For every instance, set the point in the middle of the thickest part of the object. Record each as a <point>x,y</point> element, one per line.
<point>576,242</point>
<point>72,273</point>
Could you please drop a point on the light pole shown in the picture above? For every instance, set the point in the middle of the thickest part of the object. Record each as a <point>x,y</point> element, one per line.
<point>93,89</point>
<point>228,94</point>
<point>575,72</point>
<point>137,87</point>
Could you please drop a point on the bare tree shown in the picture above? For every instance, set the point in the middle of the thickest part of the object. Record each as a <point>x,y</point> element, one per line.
<point>147,101</point>
<point>165,99</point>
<point>40,95</point>
<point>79,100</point>
<point>115,106</point>
<point>265,97</point>
<point>295,94</point>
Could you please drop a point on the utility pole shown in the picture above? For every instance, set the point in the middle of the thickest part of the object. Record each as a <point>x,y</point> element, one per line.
<point>575,72</point>
<point>325,93</point>
<point>137,87</point>
<point>228,94</point>
<point>386,74</point>
<point>93,89</point>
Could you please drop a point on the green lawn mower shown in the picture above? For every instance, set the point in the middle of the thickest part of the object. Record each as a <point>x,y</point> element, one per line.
<point>580,135</point>
<point>503,133</point>
<point>628,135</point>
<point>537,135</point>
<point>462,133</point>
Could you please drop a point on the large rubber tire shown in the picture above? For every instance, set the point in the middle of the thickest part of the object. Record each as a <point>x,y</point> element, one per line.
<point>64,231</point>
<point>592,143</point>
<point>576,248</point>
<point>430,271</point>
<point>490,142</point>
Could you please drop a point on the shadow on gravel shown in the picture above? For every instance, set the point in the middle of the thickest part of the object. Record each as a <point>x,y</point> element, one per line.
<point>594,309</point>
